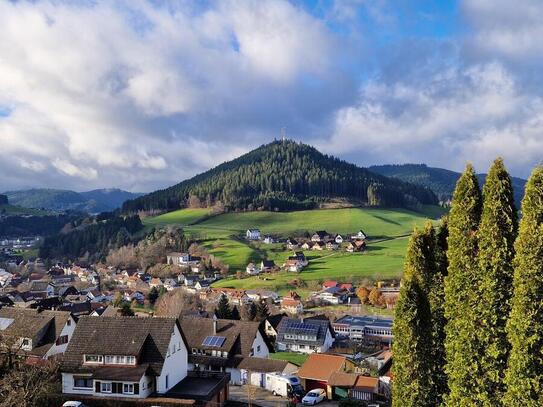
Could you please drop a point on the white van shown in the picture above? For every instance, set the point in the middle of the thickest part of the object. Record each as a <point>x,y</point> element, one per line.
<point>284,385</point>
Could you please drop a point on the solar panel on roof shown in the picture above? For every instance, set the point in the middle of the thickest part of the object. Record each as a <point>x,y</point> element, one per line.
<point>215,341</point>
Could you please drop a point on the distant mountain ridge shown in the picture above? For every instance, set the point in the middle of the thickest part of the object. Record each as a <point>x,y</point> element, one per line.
<point>95,201</point>
<point>439,180</point>
<point>284,175</point>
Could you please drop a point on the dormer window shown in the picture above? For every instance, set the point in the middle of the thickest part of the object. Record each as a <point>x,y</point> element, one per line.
<point>120,360</point>
<point>94,359</point>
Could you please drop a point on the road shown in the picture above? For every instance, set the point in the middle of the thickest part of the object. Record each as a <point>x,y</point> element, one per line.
<point>264,398</point>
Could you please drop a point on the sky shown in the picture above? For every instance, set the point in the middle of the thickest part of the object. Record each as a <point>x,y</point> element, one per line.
<point>140,94</point>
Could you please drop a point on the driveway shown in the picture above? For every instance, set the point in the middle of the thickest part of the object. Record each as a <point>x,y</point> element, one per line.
<point>264,398</point>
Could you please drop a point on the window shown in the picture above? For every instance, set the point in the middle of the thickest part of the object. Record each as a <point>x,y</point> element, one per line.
<point>82,382</point>
<point>105,387</point>
<point>26,342</point>
<point>62,340</point>
<point>194,351</point>
<point>94,359</point>
<point>120,360</point>
<point>128,388</point>
<point>224,354</point>
<point>69,322</point>
<point>258,348</point>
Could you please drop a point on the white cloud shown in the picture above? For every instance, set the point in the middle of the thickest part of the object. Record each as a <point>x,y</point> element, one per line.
<point>101,90</point>
<point>472,114</point>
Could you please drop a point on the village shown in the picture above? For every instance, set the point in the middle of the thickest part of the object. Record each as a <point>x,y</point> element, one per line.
<point>282,347</point>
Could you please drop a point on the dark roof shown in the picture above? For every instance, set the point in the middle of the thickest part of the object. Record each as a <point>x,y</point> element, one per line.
<point>274,320</point>
<point>268,263</point>
<point>239,335</point>
<point>77,308</point>
<point>293,325</point>
<point>43,327</point>
<point>39,285</point>
<point>263,365</point>
<point>50,303</point>
<point>146,338</point>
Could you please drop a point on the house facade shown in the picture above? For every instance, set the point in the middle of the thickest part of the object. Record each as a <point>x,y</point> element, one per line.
<point>304,336</point>
<point>253,234</point>
<point>37,334</point>
<point>220,345</point>
<point>126,357</point>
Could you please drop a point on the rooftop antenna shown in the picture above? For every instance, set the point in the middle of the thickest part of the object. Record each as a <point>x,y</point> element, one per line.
<point>283,134</point>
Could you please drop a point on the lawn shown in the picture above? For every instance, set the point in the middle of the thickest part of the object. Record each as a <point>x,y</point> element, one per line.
<point>297,358</point>
<point>181,217</point>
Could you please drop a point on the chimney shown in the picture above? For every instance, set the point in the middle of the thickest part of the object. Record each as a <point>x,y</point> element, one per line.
<point>214,324</point>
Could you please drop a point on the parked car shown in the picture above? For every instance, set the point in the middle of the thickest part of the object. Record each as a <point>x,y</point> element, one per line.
<point>73,404</point>
<point>315,396</point>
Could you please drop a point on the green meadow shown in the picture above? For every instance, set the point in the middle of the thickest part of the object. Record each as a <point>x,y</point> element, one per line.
<point>223,236</point>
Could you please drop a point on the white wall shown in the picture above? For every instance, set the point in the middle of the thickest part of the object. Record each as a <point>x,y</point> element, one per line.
<point>259,342</point>
<point>176,365</point>
<point>66,330</point>
<point>68,387</point>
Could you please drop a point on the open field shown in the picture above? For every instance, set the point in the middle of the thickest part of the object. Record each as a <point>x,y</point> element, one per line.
<point>223,235</point>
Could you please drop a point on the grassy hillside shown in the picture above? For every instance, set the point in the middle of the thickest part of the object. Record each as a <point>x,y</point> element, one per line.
<point>223,236</point>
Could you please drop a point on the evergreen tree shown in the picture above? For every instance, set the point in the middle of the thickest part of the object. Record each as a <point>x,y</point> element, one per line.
<point>496,237</point>
<point>412,347</point>
<point>436,298</point>
<point>262,311</point>
<point>524,375</point>
<point>126,310</point>
<point>461,353</point>
<point>152,295</point>
<point>223,310</point>
<point>235,314</point>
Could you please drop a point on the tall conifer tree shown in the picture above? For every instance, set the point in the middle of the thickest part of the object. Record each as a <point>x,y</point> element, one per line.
<point>460,297</point>
<point>496,238</point>
<point>524,375</point>
<point>413,368</point>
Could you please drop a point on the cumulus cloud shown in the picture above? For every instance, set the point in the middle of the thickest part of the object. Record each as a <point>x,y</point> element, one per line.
<point>101,90</point>
<point>140,94</point>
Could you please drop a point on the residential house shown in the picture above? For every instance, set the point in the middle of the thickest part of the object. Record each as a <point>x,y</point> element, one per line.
<point>360,328</point>
<point>156,283</point>
<point>36,333</point>
<point>269,240</point>
<point>170,284</point>
<point>60,279</point>
<point>252,270</point>
<point>360,235</point>
<point>292,243</point>
<point>301,257</point>
<point>220,345</point>
<point>329,284</point>
<point>356,246</point>
<point>267,265</point>
<point>126,357</point>
<point>253,234</point>
<point>331,245</point>
<point>338,239</point>
<point>317,370</point>
<point>260,294</point>
<point>304,335</point>
<point>270,325</point>
<point>182,259</point>
<point>64,291</point>
<point>42,288</point>
<point>292,303</point>
<point>190,281</point>
<point>332,295</point>
<point>235,297</point>
<point>320,236</point>
<point>307,245</point>
<point>137,296</point>
<point>202,285</point>
<point>318,246</point>
<point>293,265</point>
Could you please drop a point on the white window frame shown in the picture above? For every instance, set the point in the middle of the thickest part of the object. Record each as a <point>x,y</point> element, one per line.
<point>105,387</point>
<point>128,386</point>
<point>100,360</point>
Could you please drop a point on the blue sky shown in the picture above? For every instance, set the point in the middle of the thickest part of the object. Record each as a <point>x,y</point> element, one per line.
<point>142,94</point>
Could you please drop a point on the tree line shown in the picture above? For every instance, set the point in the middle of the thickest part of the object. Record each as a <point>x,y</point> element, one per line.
<point>284,175</point>
<point>93,240</point>
<point>469,320</point>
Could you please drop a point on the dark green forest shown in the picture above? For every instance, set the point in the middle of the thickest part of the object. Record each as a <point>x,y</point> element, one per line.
<point>285,175</point>
<point>94,239</point>
<point>35,225</point>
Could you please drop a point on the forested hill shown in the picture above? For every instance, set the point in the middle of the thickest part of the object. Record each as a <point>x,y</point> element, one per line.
<point>284,175</point>
<point>439,180</point>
